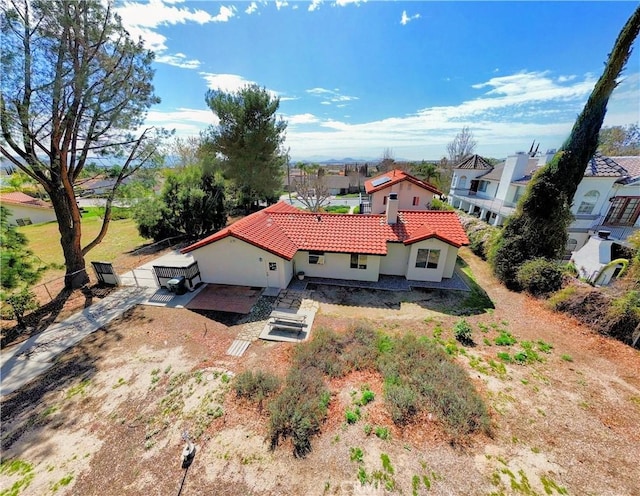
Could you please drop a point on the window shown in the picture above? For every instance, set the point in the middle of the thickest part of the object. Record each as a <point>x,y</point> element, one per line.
<point>427,258</point>
<point>572,244</point>
<point>482,187</point>
<point>588,203</point>
<point>519,192</point>
<point>624,211</point>
<point>384,200</point>
<point>463,182</point>
<point>273,266</point>
<point>316,258</point>
<point>416,200</point>
<point>358,261</point>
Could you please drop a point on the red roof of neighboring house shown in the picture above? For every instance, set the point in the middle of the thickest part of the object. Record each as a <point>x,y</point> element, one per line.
<point>394,177</point>
<point>18,198</point>
<point>283,230</point>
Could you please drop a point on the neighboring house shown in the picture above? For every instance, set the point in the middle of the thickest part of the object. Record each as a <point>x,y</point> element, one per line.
<point>608,197</point>
<point>600,259</point>
<point>25,209</point>
<point>268,247</point>
<point>412,193</point>
<point>336,184</point>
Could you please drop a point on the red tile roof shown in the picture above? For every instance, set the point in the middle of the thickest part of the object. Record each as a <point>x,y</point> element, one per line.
<point>18,198</point>
<point>394,177</point>
<point>283,230</point>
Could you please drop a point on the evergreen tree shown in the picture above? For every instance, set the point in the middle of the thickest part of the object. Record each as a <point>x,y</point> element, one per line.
<point>538,228</point>
<point>19,268</point>
<point>74,86</point>
<point>249,137</point>
<point>191,204</point>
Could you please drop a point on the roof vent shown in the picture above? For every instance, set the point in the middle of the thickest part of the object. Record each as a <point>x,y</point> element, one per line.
<point>319,218</point>
<point>602,234</point>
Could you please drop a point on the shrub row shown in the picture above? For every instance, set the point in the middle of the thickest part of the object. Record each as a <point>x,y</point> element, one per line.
<point>481,235</point>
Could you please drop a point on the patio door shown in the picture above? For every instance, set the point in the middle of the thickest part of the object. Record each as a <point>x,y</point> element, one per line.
<point>272,270</point>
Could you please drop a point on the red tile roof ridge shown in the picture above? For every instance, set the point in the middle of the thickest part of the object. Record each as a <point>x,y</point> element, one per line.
<point>283,230</point>
<point>395,176</point>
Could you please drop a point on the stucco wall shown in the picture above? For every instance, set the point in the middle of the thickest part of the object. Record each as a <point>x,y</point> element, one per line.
<point>406,191</point>
<point>445,266</point>
<point>232,261</point>
<point>37,215</point>
<point>395,262</point>
<point>337,266</point>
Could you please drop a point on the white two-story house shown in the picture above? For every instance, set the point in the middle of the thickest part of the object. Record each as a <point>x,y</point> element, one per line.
<point>607,199</point>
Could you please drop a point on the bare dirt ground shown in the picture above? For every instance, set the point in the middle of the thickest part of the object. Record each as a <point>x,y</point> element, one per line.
<point>108,418</point>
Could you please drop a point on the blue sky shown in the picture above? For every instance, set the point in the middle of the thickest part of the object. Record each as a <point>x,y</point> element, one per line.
<point>356,78</point>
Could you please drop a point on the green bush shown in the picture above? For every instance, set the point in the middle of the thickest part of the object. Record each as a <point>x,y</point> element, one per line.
<point>402,402</point>
<point>337,209</point>
<point>299,410</point>
<point>463,332</point>
<point>256,386</point>
<point>505,339</point>
<point>540,276</point>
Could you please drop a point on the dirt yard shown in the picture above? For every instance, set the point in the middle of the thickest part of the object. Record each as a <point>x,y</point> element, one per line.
<point>109,417</point>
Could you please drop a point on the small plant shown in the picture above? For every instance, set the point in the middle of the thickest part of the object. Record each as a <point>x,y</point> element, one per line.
<point>368,429</point>
<point>544,347</point>
<point>367,396</point>
<point>386,463</point>
<point>463,332</point>
<point>382,433</point>
<point>505,339</point>
<point>567,358</point>
<point>356,455</point>
<point>362,476</point>
<point>504,356</point>
<point>352,416</point>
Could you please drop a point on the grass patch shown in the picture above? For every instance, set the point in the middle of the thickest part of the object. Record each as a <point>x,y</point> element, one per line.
<point>478,301</point>
<point>505,339</point>
<point>122,237</point>
<point>19,468</point>
<point>566,357</point>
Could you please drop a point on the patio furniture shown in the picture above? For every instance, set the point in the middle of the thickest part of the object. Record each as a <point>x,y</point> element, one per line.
<point>287,321</point>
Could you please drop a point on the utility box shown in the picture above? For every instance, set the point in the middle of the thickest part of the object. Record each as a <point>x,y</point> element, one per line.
<point>177,285</point>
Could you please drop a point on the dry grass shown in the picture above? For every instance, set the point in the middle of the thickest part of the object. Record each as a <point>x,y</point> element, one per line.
<point>121,238</point>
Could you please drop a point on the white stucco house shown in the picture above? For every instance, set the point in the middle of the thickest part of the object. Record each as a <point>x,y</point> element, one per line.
<point>412,193</point>
<point>25,209</point>
<point>608,197</point>
<point>268,248</point>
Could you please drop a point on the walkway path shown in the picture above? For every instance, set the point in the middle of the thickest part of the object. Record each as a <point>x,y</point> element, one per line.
<point>25,361</point>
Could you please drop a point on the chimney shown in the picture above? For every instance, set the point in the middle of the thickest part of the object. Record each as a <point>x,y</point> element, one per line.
<point>392,208</point>
<point>514,169</point>
<point>546,158</point>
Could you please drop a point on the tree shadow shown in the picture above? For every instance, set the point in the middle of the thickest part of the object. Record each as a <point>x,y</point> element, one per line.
<point>41,318</point>
<point>32,406</point>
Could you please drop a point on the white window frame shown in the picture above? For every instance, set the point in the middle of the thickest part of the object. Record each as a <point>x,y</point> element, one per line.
<point>425,258</point>
<point>360,261</point>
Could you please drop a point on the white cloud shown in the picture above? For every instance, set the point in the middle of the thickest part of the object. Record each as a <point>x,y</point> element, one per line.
<point>342,3</point>
<point>178,60</point>
<point>251,8</point>
<point>301,119</point>
<point>405,19</point>
<point>314,5</point>
<point>230,83</point>
<point>156,12</point>
<point>330,96</point>
<point>281,3</point>
<point>225,82</point>
<point>141,20</point>
<point>509,112</point>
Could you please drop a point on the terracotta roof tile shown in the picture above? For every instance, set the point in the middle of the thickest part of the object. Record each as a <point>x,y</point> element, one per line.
<point>394,177</point>
<point>18,198</point>
<point>282,229</point>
